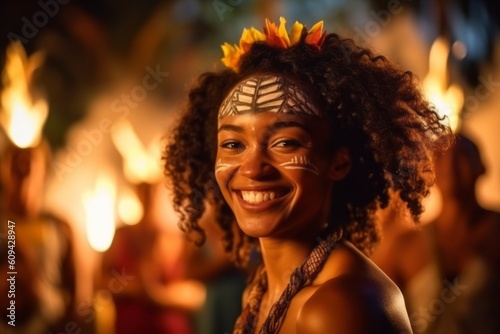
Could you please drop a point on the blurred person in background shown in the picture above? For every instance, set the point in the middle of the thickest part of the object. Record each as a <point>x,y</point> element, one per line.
<point>224,282</point>
<point>44,248</point>
<point>464,250</point>
<point>157,297</point>
<point>449,270</point>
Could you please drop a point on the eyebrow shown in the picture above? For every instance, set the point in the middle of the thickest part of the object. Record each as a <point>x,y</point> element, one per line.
<point>273,127</point>
<point>229,127</point>
<point>287,124</point>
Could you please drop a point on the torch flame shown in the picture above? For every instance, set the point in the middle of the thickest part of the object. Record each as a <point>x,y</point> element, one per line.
<point>21,117</point>
<point>100,213</point>
<point>139,164</point>
<point>448,99</point>
<point>130,209</point>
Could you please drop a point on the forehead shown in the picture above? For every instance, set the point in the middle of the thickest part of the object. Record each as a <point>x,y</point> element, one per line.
<point>267,93</point>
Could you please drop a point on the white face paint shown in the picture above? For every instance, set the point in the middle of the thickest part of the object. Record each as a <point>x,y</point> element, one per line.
<point>220,166</point>
<point>300,162</point>
<point>266,94</point>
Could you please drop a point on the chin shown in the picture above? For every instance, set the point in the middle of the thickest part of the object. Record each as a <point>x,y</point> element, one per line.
<point>257,227</point>
<point>255,231</point>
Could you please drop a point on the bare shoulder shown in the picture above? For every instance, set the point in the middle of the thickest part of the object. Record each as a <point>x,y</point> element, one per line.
<point>359,299</point>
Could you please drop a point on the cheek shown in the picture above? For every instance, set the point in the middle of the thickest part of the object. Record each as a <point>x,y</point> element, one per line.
<point>223,172</point>
<point>300,163</point>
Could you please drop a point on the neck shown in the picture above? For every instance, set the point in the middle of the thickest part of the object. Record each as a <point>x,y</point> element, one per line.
<point>280,258</point>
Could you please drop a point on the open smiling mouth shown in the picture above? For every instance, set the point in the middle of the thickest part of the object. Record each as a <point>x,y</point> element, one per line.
<point>256,197</point>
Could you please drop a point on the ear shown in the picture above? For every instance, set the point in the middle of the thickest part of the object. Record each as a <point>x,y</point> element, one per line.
<point>340,164</point>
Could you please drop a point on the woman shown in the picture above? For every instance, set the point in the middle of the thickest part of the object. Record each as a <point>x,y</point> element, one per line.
<point>296,145</point>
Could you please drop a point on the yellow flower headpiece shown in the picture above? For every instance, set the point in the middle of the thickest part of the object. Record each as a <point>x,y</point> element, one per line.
<point>274,36</point>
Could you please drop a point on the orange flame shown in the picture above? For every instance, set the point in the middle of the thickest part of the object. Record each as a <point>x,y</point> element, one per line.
<point>140,164</point>
<point>130,209</point>
<point>21,117</point>
<point>448,99</point>
<point>100,213</point>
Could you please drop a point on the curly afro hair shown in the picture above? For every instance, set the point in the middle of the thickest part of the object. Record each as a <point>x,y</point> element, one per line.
<point>375,111</point>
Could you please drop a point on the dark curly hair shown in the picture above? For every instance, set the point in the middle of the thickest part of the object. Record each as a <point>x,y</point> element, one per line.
<point>375,111</point>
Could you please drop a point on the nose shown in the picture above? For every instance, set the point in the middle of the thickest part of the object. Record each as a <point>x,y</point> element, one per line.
<point>256,165</point>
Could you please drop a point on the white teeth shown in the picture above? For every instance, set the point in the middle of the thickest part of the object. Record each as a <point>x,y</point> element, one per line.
<point>258,196</point>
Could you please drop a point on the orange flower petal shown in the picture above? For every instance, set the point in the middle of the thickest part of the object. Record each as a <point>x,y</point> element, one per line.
<point>232,54</point>
<point>272,35</point>
<point>316,34</point>
<point>283,33</point>
<point>257,35</point>
<point>296,32</point>
<point>249,37</point>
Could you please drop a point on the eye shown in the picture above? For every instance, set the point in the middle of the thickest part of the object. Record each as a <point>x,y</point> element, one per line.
<point>287,143</point>
<point>232,145</point>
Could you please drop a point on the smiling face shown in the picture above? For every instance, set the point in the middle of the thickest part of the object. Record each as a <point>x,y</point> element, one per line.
<point>272,162</point>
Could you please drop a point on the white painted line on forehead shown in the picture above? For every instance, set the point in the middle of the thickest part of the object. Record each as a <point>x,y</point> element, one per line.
<point>267,94</point>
